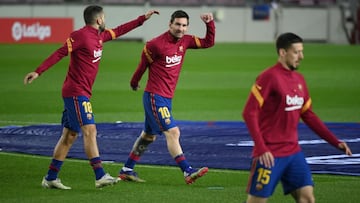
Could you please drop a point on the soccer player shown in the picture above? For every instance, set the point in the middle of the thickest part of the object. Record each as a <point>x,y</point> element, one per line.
<point>278,99</point>
<point>164,56</point>
<point>85,47</point>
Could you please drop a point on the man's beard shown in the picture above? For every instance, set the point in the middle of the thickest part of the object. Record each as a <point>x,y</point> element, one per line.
<point>102,28</point>
<point>292,67</point>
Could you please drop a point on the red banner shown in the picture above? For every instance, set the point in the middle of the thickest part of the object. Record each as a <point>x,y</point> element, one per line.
<point>35,30</point>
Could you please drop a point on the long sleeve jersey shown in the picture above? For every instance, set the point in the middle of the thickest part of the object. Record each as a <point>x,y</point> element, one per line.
<point>277,101</point>
<point>164,56</point>
<point>85,47</point>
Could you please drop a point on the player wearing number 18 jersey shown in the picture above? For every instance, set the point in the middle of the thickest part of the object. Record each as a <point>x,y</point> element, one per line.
<point>278,99</point>
<point>163,57</point>
<point>85,48</point>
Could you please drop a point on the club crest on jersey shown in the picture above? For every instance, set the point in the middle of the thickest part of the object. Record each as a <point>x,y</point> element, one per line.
<point>300,87</point>
<point>167,121</point>
<point>181,49</point>
<point>259,186</point>
<point>89,116</point>
<point>172,60</point>
<point>293,103</point>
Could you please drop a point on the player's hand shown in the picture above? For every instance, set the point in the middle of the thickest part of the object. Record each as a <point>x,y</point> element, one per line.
<point>267,159</point>
<point>30,77</point>
<point>207,17</point>
<point>149,13</point>
<point>344,147</point>
<point>135,87</point>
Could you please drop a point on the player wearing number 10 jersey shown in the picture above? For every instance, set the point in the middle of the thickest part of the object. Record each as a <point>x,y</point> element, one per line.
<point>164,56</point>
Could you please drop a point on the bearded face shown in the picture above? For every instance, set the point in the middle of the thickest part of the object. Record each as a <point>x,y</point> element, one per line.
<point>293,55</point>
<point>101,22</point>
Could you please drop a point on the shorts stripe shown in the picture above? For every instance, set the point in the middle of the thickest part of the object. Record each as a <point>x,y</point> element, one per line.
<point>251,175</point>
<point>77,109</point>
<point>154,111</point>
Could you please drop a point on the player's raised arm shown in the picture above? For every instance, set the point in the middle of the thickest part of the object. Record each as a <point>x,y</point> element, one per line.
<point>150,13</point>
<point>207,17</point>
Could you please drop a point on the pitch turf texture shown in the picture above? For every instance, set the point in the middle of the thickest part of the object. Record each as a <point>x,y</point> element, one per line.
<point>213,86</point>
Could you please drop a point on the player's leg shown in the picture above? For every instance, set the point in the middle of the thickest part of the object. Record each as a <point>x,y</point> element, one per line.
<point>304,194</point>
<point>174,147</point>
<point>90,143</point>
<point>173,141</point>
<point>255,199</point>
<point>262,180</point>
<point>141,144</point>
<point>64,144</point>
<point>160,117</point>
<point>60,152</point>
<point>297,181</point>
<point>84,117</point>
<point>147,136</point>
<point>92,152</point>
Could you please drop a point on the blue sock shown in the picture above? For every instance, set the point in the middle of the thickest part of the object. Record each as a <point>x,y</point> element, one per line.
<point>54,169</point>
<point>181,161</point>
<point>131,161</point>
<point>97,167</point>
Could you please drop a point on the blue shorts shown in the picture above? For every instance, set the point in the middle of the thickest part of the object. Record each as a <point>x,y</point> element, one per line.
<point>77,112</point>
<point>158,117</point>
<point>293,172</point>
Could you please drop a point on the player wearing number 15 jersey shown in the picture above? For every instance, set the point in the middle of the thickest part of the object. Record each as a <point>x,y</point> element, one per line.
<point>163,57</point>
<point>278,99</point>
<point>85,48</point>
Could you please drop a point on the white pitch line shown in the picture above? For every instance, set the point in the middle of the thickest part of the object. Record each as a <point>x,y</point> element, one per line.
<point>117,163</point>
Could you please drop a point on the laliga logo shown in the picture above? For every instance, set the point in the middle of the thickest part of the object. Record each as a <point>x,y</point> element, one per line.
<point>35,30</point>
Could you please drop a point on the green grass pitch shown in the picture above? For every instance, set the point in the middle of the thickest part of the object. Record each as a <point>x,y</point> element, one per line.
<point>213,86</point>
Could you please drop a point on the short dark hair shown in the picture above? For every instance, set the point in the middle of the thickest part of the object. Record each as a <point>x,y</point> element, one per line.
<point>179,14</point>
<point>90,14</point>
<point>285,40</point>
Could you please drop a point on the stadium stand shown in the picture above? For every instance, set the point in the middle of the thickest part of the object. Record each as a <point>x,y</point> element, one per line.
<point>226,3</point>
<point>123,2</point>
<point>32,1</point>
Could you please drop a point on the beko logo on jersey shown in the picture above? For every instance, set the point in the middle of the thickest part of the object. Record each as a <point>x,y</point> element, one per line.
<point>97,55</point>
<point>173,60</point>
<point>293,103</point>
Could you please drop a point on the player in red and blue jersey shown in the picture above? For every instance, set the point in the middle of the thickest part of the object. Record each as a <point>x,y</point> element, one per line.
<point>163,57</point>
<point>85,47</point>
<point>278,99</point>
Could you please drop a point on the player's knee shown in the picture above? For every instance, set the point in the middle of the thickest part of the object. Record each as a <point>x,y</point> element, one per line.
<point>149,137</point>
<point>89,131</point>
<point>173,133</point>
<point>306,198</point>
<point>305,195</point>
<point>69,138</point>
